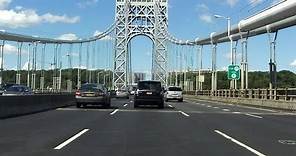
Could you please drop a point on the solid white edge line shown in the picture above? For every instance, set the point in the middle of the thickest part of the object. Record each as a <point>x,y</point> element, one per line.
<point>71,139</point>
<point>255,116</point>
<point>184,113</point>
<point>239,143</point>
<point>116,110</point>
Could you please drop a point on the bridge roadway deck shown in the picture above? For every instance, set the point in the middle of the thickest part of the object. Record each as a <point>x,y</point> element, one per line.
<point>190,128</point>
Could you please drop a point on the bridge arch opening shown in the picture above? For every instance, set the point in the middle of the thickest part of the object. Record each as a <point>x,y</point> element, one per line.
<point>140,47</point>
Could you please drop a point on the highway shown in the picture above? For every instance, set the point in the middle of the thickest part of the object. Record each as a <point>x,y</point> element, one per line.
<point>191,128</point>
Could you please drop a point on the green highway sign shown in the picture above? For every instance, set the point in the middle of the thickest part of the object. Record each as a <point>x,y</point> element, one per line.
<point>233,72</point>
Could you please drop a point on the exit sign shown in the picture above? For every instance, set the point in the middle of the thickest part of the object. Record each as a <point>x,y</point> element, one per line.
<point>233,72</point>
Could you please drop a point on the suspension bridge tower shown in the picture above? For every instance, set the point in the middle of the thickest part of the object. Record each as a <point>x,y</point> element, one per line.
<point>140,17</point>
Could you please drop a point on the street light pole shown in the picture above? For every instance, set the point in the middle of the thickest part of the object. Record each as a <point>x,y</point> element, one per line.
<point>2,62</point>
<point>232,82</point>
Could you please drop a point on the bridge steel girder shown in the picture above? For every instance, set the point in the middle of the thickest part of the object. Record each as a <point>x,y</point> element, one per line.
<point>140,18</point>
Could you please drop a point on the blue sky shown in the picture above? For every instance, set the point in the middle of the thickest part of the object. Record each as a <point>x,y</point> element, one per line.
<point>188,19</point>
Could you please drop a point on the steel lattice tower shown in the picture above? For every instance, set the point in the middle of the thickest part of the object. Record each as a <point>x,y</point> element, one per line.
<point>140,17</point>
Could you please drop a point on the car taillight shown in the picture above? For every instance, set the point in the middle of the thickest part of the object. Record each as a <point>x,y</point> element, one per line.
<point>78,93</point>
<point>101,93</point>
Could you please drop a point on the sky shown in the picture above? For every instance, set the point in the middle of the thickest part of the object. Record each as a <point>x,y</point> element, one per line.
<point>188,20</point>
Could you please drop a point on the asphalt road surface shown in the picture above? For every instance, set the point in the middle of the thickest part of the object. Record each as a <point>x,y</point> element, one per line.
<point>191,128</point>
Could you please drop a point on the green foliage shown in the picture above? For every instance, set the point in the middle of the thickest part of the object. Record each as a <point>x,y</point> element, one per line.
<point>258,79</point>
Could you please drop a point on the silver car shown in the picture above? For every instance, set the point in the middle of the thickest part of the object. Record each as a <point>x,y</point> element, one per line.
<point>173,93</point>
<point>122,94</point>
<point>92,94</point>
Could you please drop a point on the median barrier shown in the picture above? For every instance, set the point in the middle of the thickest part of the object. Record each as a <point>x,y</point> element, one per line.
<point>11,106</point>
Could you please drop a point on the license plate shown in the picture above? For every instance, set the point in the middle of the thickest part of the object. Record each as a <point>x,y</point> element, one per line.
<point>90,95</point>
<point>149,93</point>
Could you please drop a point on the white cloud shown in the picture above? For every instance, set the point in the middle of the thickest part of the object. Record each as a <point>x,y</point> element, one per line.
<point>22,18</point>
<point>10,49</point>
<point>69,36</point>
<point>25,66</point>
<point>293,63</point>
<point>204,13</point>
<point>206,18</point>
<point>85,3</point>
<point>255,2</point>
<point>238,56</point>
<point>4,4</point>
<point>232,3</point>
<point>202,8</point>
<point>59,19</point>
<point>96,33</point>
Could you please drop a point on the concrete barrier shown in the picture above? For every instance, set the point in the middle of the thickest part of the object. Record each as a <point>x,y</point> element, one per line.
<point>264,103</point>
<point>11,106</point>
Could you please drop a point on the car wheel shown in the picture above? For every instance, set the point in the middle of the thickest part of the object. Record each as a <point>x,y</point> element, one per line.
<point>166,100</point>
<point>136,104</point>
<point>78,105</point>
<point>181,100</point>
<point>107,105</point>
<point>84,105</point>
<point>161,105</point>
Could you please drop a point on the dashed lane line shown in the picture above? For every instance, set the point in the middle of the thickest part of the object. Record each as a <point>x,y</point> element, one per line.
<point>255,116</point>
<point>226,110</point>
<point>116,110</point>
<point>236,112</point>
<point>184,113</point>
<point>125,105</point>
<point>71,139</point>
<point>240,143</point>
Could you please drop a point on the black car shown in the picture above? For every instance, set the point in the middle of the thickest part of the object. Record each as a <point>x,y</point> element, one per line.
<point>5,86</point>
<point>17,90</point>
<point>149,93</point>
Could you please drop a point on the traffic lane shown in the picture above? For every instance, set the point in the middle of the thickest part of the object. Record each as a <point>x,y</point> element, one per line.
<point>261,134</point>
<point>36,134</point>
<point>230,107</point>
<point>188,106</point>
<point>146,131</point>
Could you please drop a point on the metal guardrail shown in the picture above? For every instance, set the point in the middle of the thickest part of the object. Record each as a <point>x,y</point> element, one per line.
<point>287,94</point>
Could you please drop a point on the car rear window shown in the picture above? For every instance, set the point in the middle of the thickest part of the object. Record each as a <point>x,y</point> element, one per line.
<point>91,87</point>
<point>15,89</point>
<point>149,85</point>
<point>174,89</point>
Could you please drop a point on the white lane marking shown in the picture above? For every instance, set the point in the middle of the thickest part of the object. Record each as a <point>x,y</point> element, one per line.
<point>209,106</point>
<point>255,116</point>
<point>170,106</point>
<point>226,110</point>
<point>236,112</point>
<point>71,139</point>
<point>202,104</point>
<point>116,110</point>
<point>184,113</point>
<point>125,105</point>
<point>216,107</point>
<point>239,143</point>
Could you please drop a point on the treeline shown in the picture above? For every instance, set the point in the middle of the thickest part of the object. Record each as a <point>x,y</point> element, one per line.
<point>285,79</point>
<point>9,76</point>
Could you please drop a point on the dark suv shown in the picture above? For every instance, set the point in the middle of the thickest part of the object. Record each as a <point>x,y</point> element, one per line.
<point>149,93</point>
